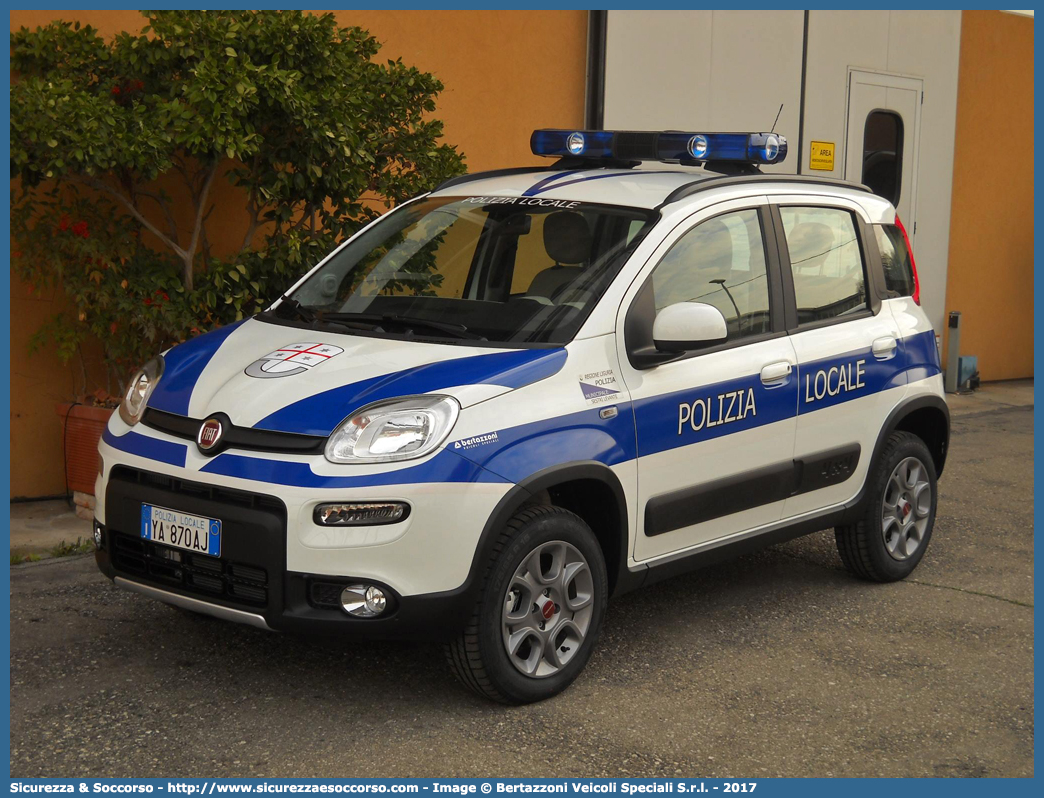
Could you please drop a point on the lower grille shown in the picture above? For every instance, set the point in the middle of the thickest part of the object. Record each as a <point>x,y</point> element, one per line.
<point>193,573</point>
<point>325,594</point>
<point>249,573</point>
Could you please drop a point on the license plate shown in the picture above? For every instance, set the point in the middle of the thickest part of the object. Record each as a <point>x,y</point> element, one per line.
<point>181,530</point>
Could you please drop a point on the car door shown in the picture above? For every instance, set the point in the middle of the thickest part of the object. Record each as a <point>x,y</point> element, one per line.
<point>715,426</point>
<point>849,360</point>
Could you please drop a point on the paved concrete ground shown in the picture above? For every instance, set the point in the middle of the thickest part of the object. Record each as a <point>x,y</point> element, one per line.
<point>777,664</point>
<point>38,527</point>
<point>992,396</point>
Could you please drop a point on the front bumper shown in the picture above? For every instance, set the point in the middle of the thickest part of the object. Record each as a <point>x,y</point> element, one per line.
<point>250,582</point>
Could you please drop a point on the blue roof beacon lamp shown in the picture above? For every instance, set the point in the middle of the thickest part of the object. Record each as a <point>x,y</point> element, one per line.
<point>625,147</point>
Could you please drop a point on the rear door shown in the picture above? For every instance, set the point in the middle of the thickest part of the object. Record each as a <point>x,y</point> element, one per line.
<point>882,140</point>
<point>847,346</point>
<point>715,427</point>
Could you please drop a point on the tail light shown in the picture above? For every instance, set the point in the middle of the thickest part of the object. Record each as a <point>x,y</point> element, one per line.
<point>913,266</point>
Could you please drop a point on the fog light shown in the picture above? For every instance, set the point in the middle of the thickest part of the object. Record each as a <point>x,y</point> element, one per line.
<point>97,535</point>
<point>361,513</point>
<point>363,601</point>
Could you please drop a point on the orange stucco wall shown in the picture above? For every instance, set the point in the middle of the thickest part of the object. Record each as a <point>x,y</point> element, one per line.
<point>990,278</point>
<point>505,72</point>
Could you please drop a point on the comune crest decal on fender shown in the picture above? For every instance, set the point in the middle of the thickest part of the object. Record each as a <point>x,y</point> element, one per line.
<point>292,359</point>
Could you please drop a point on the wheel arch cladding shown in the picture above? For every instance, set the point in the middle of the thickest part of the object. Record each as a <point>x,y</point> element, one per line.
<point>589,489</point>
<point>927,417</point>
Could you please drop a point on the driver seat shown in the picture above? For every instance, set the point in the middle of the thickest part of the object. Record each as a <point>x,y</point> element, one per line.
<point>567,239</point>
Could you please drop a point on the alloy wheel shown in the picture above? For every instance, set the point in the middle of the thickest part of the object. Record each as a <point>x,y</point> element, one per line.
<point>547,609</point>
<point>905,508</point>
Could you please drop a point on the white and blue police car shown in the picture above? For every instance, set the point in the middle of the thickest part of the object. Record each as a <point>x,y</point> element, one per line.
<point>532,389</point>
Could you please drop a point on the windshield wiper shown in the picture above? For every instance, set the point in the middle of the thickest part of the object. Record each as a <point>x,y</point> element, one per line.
<point>299,310</point>
<point>459,330</point>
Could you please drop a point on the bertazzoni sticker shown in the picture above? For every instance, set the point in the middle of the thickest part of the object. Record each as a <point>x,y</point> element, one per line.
<point>599,387</point>
<point>477,440</point>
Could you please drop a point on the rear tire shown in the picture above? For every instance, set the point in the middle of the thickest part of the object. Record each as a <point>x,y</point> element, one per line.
<point>898,514</point>
<point>539,611</point>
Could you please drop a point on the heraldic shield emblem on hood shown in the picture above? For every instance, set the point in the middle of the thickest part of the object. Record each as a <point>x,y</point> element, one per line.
<point>292,359</point>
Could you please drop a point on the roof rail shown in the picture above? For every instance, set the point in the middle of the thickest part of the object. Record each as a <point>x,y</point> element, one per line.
<point>726,180</point>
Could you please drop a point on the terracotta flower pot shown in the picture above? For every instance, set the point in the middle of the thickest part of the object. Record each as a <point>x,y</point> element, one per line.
<point>82,428</point>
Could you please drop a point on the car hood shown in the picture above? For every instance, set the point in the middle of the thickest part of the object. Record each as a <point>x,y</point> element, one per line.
<point>287,379</point>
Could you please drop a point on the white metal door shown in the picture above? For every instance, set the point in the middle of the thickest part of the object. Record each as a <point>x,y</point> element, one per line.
<point>712,424</point>
<point>849,373</point>
<point>875,92</point>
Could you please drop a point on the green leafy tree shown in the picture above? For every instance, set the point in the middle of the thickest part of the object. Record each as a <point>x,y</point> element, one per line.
<point>117,146</point>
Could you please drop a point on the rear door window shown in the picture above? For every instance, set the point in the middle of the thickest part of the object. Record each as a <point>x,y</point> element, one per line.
<point>825,258</point>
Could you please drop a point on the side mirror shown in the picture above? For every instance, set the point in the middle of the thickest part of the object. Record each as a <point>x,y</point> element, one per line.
<point>685,326</point>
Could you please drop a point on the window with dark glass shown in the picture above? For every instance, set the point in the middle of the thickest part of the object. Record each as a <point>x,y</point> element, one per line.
<point>883,154</point>
<point>895,259</point>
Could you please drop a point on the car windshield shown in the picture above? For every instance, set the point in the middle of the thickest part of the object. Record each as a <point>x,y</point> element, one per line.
<point>511,270</point>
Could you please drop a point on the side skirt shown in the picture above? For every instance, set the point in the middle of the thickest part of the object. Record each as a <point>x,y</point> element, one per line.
<point>729,551</point>
<point>698,504</point>
<point>713,553</point>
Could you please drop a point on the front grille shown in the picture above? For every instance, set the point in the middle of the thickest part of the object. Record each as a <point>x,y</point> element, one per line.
<point>201,490</point>
<point>233,437</point>
<point>193,573</point>
<point>325,594</point>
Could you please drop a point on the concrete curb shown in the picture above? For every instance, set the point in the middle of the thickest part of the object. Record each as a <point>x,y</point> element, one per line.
<point>69,558</point>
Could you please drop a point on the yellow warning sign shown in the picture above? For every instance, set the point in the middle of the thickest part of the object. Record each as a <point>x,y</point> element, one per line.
<point>822,156</point>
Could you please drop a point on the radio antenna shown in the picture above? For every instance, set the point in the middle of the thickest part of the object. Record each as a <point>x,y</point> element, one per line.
<point>777,118</point>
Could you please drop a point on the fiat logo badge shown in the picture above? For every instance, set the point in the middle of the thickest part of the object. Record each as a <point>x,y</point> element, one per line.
<point>548,610</point>
<point>209,435</point>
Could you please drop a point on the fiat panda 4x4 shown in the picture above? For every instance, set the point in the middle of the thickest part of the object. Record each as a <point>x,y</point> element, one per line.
<point>530,390</point>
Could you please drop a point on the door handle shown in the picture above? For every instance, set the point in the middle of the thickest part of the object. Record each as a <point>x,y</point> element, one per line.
<point>775,373</point>
<point>884,348</point>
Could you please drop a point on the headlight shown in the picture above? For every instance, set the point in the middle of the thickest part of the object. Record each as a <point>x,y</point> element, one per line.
<point>140,389</point>
<point>400,429</point>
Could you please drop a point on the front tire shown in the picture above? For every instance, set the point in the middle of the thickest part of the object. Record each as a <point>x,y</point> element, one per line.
<point>891,537</point>
<point>539,611</point>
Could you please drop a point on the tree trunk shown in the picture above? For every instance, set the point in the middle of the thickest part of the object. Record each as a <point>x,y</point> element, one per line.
<point>186,275</point>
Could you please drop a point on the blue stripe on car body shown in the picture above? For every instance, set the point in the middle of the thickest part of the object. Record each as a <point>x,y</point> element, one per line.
<point>547,181</point>
<point>921,355</point>
<point>321,413</point>
<point>657,433</point>
<point>182,366</point>
<point>528,448</point>
<point>521,451</point>
<point>150,448</point>
<point>657,417</point>
<point>876,375</point>
<point>443,467</point>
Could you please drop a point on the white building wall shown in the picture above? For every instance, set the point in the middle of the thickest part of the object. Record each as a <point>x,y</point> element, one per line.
<point>730,70</point>
<point>714,70</point>
<point>920,44</point>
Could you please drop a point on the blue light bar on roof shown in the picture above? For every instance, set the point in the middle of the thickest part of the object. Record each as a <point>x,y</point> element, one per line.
<point>637,145</point>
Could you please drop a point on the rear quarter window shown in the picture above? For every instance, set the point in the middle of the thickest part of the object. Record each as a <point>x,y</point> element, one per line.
<point>895,258</point>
